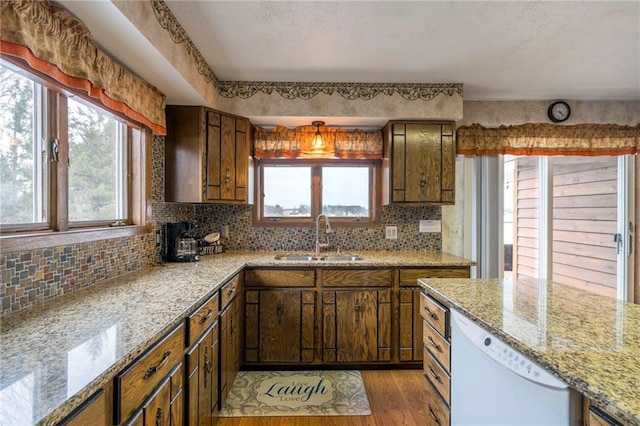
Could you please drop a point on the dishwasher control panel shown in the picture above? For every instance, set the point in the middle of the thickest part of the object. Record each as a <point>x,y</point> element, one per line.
<point>504,354</point>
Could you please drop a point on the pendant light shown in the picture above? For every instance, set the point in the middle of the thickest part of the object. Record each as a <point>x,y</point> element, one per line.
<point>317,143</point>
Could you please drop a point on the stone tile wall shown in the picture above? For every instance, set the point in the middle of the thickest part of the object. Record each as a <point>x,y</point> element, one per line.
<point>28,278</point>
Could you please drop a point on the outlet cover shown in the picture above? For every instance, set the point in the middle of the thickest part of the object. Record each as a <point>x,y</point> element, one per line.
<point>430,226</point>
<point>391,232</point>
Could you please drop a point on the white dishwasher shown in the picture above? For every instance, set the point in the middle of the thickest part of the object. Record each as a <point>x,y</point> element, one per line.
<point>492,384</point>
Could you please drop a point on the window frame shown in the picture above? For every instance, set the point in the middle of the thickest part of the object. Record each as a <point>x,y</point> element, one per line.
<point>58,230</point>
<point>375,187</point>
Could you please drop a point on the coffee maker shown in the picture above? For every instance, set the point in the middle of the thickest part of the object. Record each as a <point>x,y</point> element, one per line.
<point>179,244</point>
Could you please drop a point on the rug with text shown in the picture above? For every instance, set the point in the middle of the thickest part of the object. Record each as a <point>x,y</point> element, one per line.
<point>296,393</point>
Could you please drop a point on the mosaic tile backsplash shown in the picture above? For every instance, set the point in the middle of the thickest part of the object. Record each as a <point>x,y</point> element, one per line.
<point>32,277</point>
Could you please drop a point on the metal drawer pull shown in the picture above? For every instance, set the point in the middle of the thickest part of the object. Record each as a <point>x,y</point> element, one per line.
<point>433,414</point>
<point>432,314</point>
<point>435,345</point>
<point>153,370</point>
<point>205,317</point>
<point>436,376</point>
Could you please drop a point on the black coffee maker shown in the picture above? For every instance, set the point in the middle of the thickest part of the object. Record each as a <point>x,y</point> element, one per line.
<point>179,244</point>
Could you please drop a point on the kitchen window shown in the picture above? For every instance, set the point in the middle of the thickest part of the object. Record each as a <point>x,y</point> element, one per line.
<point>68,165</point>
<point>294,192</point>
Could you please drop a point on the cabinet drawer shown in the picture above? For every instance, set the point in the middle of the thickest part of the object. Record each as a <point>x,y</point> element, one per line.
<point>229,291</point>
<point>200,320</point>
<point>435,314</point>
<point>92,412</point>
<point>438,413</point>
<point>279,278</point>
<point>144,374</point>
<point>357,277</point>
<point>437,345</point>
<point>438,377</point>
<point>409,277</point>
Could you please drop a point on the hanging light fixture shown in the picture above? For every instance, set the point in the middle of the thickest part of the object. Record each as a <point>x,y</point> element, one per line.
<point>317,143</point>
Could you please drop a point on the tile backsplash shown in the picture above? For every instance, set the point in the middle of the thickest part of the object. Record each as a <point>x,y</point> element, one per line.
<point>31,277</point>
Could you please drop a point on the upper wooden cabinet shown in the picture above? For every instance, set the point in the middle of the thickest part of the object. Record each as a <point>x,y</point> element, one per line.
<point>419,159</point>
<point>207,154</point>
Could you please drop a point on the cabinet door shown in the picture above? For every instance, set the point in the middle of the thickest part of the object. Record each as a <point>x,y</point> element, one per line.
<point>202,361</point>
<point>231,322</point>
<point>356,325</point>
<point>280,326</point>
<point>157,409</point>
<point>228,149</point>
<point>410,322</point>
<point>423,169</point>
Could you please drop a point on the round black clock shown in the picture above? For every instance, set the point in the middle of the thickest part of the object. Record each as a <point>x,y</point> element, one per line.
<point>559,111</point>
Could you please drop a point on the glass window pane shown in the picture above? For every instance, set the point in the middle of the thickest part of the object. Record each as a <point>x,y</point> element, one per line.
<point>287,191</point>
<point>525,193</point>
<point>345,191</point>
<point>22,191</point>
<point>585,215</point>
<point>95,178</point>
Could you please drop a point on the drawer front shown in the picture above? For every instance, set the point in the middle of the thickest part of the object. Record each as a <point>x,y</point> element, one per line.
<point>409,277</point>
<point>279,278</point>
<point>357,277</point>
<point>435,314</point>
<point>438,413</point>
<point>438,377</point>
<point>200,320</point>
<point>437,345</point>
<point>229,291</point>
<point>140,378</point>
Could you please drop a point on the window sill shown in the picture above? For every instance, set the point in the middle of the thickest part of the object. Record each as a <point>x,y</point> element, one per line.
<point>39,240</point>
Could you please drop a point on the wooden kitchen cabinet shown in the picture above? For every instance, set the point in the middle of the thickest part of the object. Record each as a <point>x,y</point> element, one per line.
<point>95,411</point>
<point>202,378</point>
<point>419,158</point>
<point>207,156</point>
<point>356,325</point>
<point>231,333</point>
<point>280,326</point>
<point>142,379</point>
<point>410,307</point>
<point>437,358</point>
<point>165,406</point>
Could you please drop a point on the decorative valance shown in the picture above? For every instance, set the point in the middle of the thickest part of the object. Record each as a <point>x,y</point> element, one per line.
<point>55,43</point>
<point>282,142</point>
<point>548,139</point>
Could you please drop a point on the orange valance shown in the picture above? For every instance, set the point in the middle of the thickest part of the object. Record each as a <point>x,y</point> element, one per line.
<point>282,142</point>
<point>548,139</point>
<point>55,43</point>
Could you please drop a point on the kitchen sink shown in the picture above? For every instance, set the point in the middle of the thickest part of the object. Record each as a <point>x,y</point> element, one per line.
<point>307,257</point>
<point>339,257</point>
<point>313,257</point>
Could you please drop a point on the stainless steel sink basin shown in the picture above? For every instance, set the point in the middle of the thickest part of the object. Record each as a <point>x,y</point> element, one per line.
<point>314,258</point>
<point>341,257</point>
<point>306,257</point>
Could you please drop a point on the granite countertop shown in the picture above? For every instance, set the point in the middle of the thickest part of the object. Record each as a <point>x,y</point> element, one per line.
<point>55,355</point>
<point>592,342</point>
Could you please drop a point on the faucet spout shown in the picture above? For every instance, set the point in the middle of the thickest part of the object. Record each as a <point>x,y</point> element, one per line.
<point>327,231</point>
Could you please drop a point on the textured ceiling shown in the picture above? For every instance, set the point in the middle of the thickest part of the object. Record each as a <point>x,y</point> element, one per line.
<point>516,50</point>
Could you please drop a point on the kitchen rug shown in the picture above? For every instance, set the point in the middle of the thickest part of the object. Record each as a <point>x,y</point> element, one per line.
<point>296,393</point>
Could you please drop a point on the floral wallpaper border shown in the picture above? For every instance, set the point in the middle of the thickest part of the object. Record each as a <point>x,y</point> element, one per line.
<point>296,90</point>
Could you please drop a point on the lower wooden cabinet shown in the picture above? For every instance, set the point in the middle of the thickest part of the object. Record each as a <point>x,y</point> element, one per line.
<point>356,325</point>
<point>165,406</point>
<point>231,345</point>
<point>594,416</point>
<point>93,412</point>
<point>437,359</point>
<point>410,325</point>
<point>279,326</point>
<point>202,379</point>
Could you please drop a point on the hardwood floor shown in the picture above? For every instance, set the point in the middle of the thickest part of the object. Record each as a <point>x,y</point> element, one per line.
<point>397,397</point>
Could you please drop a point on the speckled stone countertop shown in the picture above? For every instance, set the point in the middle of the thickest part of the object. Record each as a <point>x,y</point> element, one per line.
<point>55,355</point>
<point>592,342</point>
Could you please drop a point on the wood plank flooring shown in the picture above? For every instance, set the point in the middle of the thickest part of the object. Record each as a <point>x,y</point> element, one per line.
<point>397,397</point>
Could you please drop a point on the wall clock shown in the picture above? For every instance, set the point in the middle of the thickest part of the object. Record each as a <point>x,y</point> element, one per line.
<point>559,111</point>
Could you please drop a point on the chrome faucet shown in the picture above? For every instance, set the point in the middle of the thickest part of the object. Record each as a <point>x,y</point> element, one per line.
<point>327,230</point>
